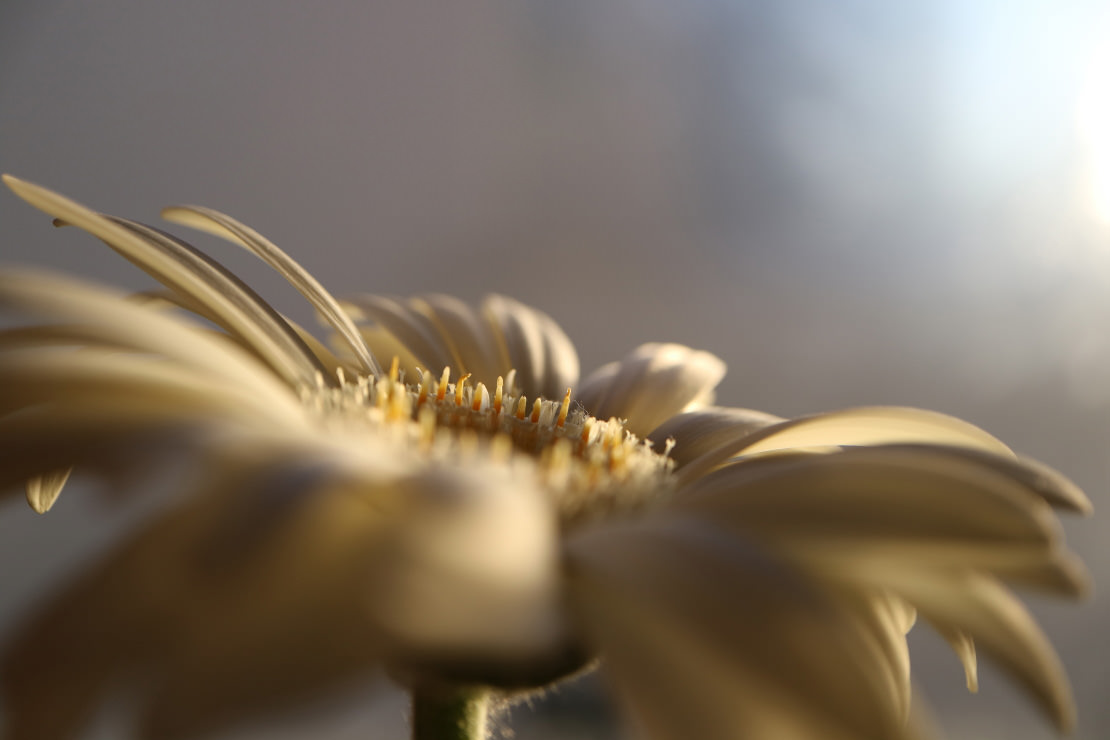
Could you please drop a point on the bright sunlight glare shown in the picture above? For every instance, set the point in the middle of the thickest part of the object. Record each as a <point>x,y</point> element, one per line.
<point>1093,120</point>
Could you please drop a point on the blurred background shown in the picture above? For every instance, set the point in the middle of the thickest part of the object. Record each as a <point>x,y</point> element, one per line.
<point>851,202</point>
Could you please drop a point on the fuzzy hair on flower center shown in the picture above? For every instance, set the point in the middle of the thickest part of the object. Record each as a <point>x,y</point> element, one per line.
<point>591,468</point>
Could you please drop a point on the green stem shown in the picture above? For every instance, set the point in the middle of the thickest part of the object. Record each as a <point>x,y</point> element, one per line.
<point>450,714</point>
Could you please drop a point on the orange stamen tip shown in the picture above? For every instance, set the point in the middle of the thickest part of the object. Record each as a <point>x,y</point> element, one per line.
<point>441,391</point>
<point>480,392</point>
<point>460,390</point>
<point>521,405</point>
<point>537,407</point>
<point>564,409</point>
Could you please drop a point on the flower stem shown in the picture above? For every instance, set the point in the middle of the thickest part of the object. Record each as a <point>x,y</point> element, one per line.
<point>450,714</point>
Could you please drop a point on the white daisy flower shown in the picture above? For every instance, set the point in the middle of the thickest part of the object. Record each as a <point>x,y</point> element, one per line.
<point>440,496</point>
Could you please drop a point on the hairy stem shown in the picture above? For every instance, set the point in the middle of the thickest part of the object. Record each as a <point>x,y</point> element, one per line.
<point>450,714</point>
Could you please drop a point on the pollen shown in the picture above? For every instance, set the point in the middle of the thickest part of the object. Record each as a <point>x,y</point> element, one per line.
<point>590,467</point>
<point>564,408</point>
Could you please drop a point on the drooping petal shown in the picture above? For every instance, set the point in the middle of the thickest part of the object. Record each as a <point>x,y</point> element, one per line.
<point>706,635</point>
<point>979,607</point>
<point>652,384</point>
<point>921,522</point>
<point>896,493</point>
<point>43,489</point>
<point>964,648</point>
<point>224,226</point>
<point>249,595</point>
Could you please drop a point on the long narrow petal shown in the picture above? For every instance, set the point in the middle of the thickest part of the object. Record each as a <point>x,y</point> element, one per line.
<point>218,620</point>
<point>651,384</point>
<point>122,322</point>
<point>866,425</point>
<point>224,226</point>
<point>180,268</point>
<point>708,636</point>
<point>233,304</point>
<point>856,492</point>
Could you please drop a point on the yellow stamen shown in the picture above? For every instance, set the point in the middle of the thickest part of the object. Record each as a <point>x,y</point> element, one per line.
<point>537,407</point>
<point>479,393</point>
<point>521,405</point>
<point>497,395</point>
<point>393,368</point>
<point>441,392</point>
<point>460,390</point>
<point>563,410</point>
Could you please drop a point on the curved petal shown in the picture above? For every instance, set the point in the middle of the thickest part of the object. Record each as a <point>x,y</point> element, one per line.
<point>218,619</point>
<point>652,384</point>
<point>706,635</point>
<point>182,268</point>
<point>897,493</point>
<point>222,225</point>
<point>865,425</point>
<point>980,609</point>
<point>544,358</point>
<point>412,329</point>
<point>470,336</point>
<point>696,433</point>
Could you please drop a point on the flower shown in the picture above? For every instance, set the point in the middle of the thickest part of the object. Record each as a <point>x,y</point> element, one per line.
<point>461,517</point>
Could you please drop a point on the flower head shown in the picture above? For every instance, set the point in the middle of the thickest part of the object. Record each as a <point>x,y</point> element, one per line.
<point>440,496</point>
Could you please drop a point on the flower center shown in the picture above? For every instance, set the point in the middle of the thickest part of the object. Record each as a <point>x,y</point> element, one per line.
<point>591,468</point>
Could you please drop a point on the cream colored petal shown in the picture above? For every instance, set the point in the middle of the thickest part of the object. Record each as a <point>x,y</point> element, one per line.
<point>36,376</point>
<point>383,344</point>
<point>121,322</point>
<point>699,432</point>
<point>867,425</point>
<point>470,565</point>
<point>706,635</point>
<point>182,269</point>
<point>866,492</point>
<point>980,607</point>
<point>45,440</point>
<point>544,358</point>
<point>882,618</point>
<point>43,489</point>
<point>228,300</point>
<point>1049,484</point>
<point>651,384</point>
<point>249,596</point>
<point>214,222</point>
<point>413,330</point>
<point>964,648</point>
<point>468,334</point>
<point>1046,567</point>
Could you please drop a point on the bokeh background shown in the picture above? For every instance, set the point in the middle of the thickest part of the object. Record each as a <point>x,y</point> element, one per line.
<point>851,202</point>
